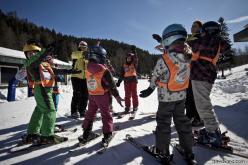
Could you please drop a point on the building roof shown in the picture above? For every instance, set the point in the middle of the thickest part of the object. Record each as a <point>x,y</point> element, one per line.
<point>241,36</point>
<point>11,53</point>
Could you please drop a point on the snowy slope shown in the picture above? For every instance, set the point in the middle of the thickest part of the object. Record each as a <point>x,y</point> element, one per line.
<point>230,99</point>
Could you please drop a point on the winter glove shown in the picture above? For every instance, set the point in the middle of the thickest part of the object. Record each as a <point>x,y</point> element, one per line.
<point>146,92</point>
<point>119,82</point>
<point>157,37</point>
<point>119,100</point>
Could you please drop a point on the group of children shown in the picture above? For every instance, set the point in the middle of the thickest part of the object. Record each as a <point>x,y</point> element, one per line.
<point>186,62</point>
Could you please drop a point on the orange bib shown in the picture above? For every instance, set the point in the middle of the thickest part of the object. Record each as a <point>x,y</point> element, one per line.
<point>129,70</point>
<point>179,77</point>
<point>94,84</point>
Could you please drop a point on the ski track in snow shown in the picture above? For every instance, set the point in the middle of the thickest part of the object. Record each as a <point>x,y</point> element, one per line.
<point>229,97</point>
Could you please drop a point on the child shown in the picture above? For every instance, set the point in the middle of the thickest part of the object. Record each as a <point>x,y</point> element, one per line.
<point>42,78</point>
<point>171,75</point>
<point>99,82</point>
<point>129,75</point>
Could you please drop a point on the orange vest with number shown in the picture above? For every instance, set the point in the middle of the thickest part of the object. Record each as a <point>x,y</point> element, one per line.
<point>129,70</point>
<point>179,77</point>
<point>47,77</point>
<point>196,56</point>
<point>94,84</point>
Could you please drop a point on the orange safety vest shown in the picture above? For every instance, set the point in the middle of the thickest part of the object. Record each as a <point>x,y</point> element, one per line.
<point>46,75</point>
<point>196,56</point>
<point>94,84</point>
<point>129,70</point>
<point>178,79</point>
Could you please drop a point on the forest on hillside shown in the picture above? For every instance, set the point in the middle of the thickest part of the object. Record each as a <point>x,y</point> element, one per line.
<point>15,31</point>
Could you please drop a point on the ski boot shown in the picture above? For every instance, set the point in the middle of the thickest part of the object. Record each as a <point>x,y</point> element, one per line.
<point>209,138</point>
<point>190,158</point>
<point>86,137</point>
<point>127,109</point>
<point>106,139</point>
<point>165,157</point>
<point>30,138</point>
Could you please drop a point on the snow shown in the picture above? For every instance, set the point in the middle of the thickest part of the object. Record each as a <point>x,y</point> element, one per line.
<point>230,100</point>
<point>12,53</point>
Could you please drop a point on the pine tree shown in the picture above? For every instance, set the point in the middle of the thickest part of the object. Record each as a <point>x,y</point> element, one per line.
<point>226,59</point>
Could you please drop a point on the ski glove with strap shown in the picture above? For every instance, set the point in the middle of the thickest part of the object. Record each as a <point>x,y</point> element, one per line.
<point>119,100</point>
<point>147,92</point>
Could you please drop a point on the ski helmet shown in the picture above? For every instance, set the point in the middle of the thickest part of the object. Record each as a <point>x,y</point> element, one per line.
<point>82,44</point>
<point>31,47</point>
<point>172,33</point>
<point>98,54</point>
<point>211,28</point>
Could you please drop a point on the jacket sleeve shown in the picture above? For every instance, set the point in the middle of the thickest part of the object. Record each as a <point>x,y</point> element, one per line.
<point>36,60</point>
<point>109,83</point>
<point>160,72</point>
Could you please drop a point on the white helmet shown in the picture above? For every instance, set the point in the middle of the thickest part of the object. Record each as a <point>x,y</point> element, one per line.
<point>172,33</point>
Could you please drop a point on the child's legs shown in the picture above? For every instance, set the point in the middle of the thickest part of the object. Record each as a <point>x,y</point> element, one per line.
<point>183,126</point>
<point>127,88</point>
<point>163,130</point>
<point>134,94</point>
<point>107,120</point>
<point>35,122</point>
<point>49,113</point>
<point>91,113</point>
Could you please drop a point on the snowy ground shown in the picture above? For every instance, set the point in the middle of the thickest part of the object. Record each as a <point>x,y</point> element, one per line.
<point>229,96</point>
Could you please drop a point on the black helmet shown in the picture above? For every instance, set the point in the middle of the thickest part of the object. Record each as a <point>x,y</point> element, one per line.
<point>98,54</point>
<point>211,28</point>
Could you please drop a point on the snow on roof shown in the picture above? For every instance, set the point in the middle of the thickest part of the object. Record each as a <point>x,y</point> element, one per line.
<point>20,54</point>
<point>12,53</point>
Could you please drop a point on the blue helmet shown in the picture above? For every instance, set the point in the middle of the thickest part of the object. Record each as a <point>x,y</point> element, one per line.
<point>98,54</point>
<point>172,33</point>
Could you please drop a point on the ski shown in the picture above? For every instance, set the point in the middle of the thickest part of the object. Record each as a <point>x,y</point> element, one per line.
<point>104,146</point>
<point>81,144</point>
<point>122,114</point>
<point>30,147</point>
<point>61,128</point>
<point>147,149</point>
<point>225,149</point>
<point>228,146</point>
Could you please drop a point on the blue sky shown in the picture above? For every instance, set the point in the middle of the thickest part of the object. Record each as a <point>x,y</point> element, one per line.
<point>130,21</point>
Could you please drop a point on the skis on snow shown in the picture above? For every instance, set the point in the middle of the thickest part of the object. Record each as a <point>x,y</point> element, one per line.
<point>147,149</point>
<point>105,145</point>
<point>226,147</point>
<point>32,146</point>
